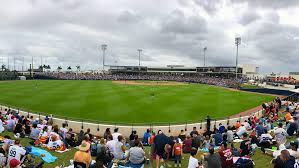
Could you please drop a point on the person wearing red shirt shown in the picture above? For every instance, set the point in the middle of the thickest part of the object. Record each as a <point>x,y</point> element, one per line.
<point>226,156</point>
<point>177,152</point>
<point>187,144</point>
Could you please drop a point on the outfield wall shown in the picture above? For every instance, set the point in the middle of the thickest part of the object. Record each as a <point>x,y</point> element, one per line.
<point>99,129</point>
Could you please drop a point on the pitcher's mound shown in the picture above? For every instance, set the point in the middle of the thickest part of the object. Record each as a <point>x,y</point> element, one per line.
<point>149,83</point>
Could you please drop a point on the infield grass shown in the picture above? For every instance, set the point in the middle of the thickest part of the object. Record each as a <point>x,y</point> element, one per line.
<point>111,102</point>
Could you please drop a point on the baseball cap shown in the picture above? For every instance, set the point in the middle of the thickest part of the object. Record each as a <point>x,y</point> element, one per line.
<point>292,143</point>
<point>14,163</point>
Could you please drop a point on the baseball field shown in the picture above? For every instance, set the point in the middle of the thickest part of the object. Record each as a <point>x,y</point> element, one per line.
<point>127,101</point>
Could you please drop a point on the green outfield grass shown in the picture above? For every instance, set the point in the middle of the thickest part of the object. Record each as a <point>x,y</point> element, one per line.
<point>107,101</point>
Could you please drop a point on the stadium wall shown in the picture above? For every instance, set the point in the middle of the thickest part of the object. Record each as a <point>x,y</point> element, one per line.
<point>99,129</point>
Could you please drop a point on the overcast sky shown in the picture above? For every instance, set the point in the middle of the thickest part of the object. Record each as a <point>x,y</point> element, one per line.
<point>70,32</point>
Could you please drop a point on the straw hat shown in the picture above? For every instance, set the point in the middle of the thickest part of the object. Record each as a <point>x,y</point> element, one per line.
<point>85,146</point>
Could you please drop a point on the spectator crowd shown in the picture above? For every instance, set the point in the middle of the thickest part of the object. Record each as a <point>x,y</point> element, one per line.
<point>216,146</point>
<point>178,77</point>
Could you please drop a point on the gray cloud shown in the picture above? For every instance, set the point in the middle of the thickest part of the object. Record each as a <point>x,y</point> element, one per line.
<point>210,6</point>
<point>177,23</point>
<point>71,32</point>
<point>248,17</point>
<point>276,4</point>
<point>129,17</point>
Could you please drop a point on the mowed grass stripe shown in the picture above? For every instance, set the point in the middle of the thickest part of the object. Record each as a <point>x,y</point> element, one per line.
<point>107,101</point>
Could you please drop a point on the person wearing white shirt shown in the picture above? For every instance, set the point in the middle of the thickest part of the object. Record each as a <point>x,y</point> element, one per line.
<point>280,134</point>
<point>280,148</point>
<point>247,125</point>
<point>241,131</point>
<point>115,134</point>
<point>265,141</point>
<point>110,143</point>
<point>193,162</point>
<point>16,151</point>
<point>63,130</point>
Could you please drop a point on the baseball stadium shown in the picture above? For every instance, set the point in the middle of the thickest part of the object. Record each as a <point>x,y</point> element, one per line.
<point>187,99</point>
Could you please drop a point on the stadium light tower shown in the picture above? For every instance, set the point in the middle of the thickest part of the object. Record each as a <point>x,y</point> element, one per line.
<point>204,56</point>
<point>139,51</point>
<point>104,48</point>
<point>237,42</point>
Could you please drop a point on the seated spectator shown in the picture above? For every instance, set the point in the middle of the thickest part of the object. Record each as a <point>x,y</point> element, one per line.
<point>136,155</point>
<point>265,141</point>
<point>27,126</point>
<point>245,145</point>
<point>43,136</point>
<point>235,151</point>
<point>247,125</point>
<point>193,162</point>
<point>291,127</point>
<point>294,149</point>
<point>115,134</point>
<point>187,144</point>
<point>107,133</point>
<point>196,141</point>
<point>226,156</point>
<point>288,117</point>
<point>3,153</point>
<point>80,137</point>
<point>221,128</point>
<point>260,129</point>
<point>63,130</point>
<point>182,135</point>
<point>132,138</point>
<point>55,143</point>
<point>280,134</point>
<point>217,138</point>
<point>237,125</point>
<point>88,133</point>
<point>230,134</point>
<point>146,136</point>
<point>34,132</point>
<point>19,130</point>
<point>213,159</point>
<point>14,163</point>
<point>104,158</point>
<point>269,125</point>
<point>1,126</point>
<point>206,143</point>
<point>241,131</point>
<point>194,131</point>
<point>82,155</point>
<point>119,149</point>
<point>70,138</point>
<point>285,160</point>
<point>110,143</point>
<point>17,151</point>
<point>10,126</point>
<point>101,145</point>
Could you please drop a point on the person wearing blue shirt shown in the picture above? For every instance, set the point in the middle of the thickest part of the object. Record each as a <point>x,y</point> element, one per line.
<point>260,129</point>
<point>221,128</point>
<point>146,135</point>
<point>218,138</point>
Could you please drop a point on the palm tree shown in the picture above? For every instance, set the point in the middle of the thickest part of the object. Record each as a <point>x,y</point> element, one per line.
<point>48,67</point>
<point>59,68</point>
<point>44,67</point>
<point>69,68</point>
<point>78,68</point>
<point>41,68</point>
<point>3,68</point>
